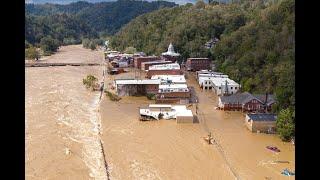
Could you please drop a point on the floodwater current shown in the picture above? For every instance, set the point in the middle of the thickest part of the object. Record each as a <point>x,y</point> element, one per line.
<point>62,115</point>
<point>62,119</point>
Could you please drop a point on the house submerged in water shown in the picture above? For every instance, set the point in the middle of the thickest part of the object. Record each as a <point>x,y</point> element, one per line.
<point>166,111</point>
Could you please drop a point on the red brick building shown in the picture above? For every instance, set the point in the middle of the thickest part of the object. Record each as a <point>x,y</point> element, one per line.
<point>197,64</point>
<point>139,60</point>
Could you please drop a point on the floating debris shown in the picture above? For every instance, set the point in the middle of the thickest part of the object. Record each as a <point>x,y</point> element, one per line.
<point>286,172</point>
<point>68,152</point>
<point>273,148</point>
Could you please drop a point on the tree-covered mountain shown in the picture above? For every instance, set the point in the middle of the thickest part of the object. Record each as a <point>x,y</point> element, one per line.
<point>256,47</point>
<point>72,22</point>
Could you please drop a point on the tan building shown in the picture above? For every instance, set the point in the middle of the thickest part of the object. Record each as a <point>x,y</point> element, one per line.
<point>261,122</point>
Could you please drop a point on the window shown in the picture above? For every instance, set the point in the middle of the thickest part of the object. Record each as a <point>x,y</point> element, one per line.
<point>231,87</point>
<point>235,87</point>
<point>219,87</point>
<point>206,82</point>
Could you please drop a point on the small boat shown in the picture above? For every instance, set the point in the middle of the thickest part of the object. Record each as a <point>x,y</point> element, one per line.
<point>286,172</point>
<point>273,148</point>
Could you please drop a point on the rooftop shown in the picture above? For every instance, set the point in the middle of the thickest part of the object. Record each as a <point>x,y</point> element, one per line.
<point>262,117</point>
<point>219,81</point>
<point>213,75</point>
<point>155,62</point>
<point>172,78</point>
<point>137,81</point>
<point>165,66</point>
<point>198,58</point>
<point>245,97</point>
<point>173,86</point>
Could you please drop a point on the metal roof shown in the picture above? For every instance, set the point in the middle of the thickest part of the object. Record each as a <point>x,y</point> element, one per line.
<point>262,117</point>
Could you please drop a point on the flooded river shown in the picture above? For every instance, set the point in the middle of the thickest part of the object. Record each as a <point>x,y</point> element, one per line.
<point>62,115</point>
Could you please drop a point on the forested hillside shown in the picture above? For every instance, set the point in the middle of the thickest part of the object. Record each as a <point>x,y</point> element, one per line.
<point>72,22</point>
<point>256,47</point>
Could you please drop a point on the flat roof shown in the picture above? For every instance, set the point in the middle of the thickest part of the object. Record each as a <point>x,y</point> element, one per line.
<point>165,66</point>
<point>137,81</point>
<point>173,78</point>
<point>198,58</point>
<point>156,62</point>
<point>173,86</point>
<point>185,113</point>
<point>182,110</point>
<point>213,75</point>
<point>220,80</point>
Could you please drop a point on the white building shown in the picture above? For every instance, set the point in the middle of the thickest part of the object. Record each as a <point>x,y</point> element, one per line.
<point>219,84</point>
<point>169,79</point>
<point>165,66</point>
<point>166,111</point>
<point>170,51</point>
<point>173,88</point>
<point>207,73</point>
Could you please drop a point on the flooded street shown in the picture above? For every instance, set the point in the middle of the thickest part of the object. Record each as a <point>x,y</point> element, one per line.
<point>167,150</point>
<point>61,115</point>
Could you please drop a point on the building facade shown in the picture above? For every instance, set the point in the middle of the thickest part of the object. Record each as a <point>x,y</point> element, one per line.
<point>246,102</point>
<point>265,123</point>
<point>139,60</point>
<point>197,64</point>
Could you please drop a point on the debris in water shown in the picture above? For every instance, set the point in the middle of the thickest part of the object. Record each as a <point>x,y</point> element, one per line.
<point>273,148</point>
<point>286,172</point>
<point>68,152</point>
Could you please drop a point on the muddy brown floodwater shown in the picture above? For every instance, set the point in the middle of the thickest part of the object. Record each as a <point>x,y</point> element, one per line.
<point>61,115</point>
<point>167,150</point>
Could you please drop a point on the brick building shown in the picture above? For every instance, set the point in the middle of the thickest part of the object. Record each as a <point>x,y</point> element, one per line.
<point>139,60</point>
<point>197,64</point>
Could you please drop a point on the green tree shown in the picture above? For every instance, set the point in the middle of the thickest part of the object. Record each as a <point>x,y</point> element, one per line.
<point>285,124</point>
<point>130,50</point>
<point>32,53</point>
<point>49,45</point>
<point>93,45</point>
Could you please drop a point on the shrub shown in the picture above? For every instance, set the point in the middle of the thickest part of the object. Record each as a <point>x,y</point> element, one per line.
<point>151,96</point>
<point>112,97</point>
<point>90,81</point>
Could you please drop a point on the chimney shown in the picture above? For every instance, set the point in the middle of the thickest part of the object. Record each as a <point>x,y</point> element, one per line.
<point>265,102</point>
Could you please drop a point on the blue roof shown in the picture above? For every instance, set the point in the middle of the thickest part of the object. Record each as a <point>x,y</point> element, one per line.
<point>262,117</point>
